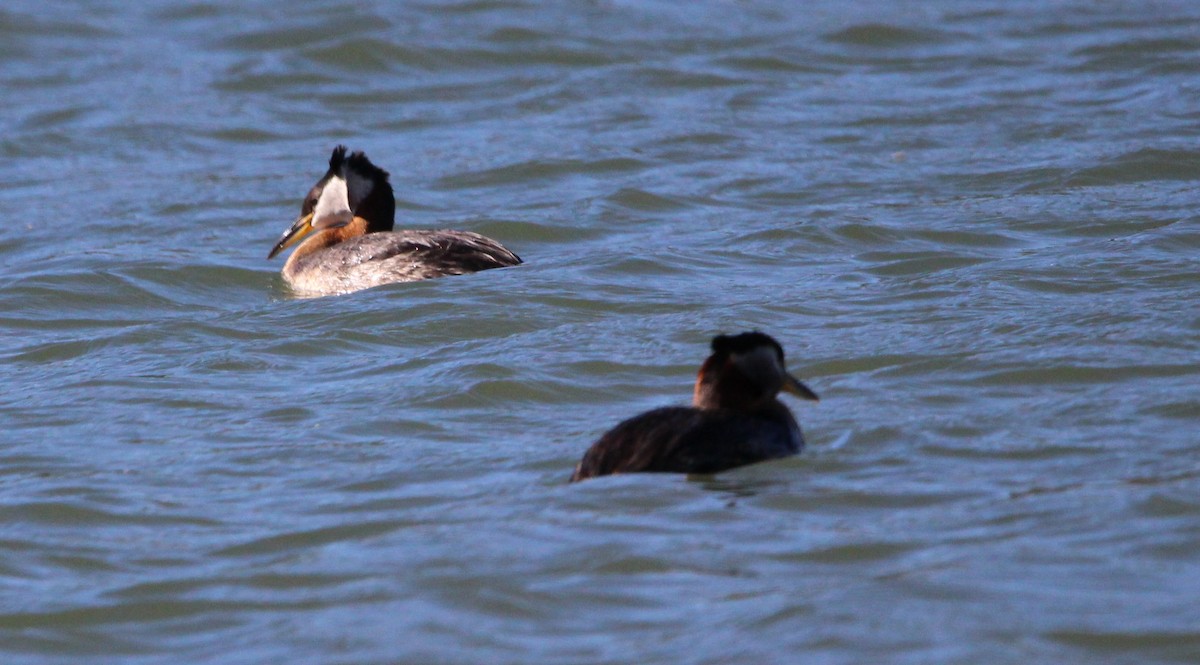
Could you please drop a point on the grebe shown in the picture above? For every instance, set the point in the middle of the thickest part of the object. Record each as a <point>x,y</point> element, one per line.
<point>350,213</point>
<point>734,419</point>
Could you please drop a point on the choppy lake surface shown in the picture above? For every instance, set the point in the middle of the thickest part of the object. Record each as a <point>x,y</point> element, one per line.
<point>972,224</point>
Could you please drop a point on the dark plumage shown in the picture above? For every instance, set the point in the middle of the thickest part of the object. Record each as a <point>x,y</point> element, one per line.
<point>735,418</point>
<point>350,213</point>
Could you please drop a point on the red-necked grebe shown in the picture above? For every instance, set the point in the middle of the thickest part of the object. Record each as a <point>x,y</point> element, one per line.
<point>735,418</point>
<point>349,214</point>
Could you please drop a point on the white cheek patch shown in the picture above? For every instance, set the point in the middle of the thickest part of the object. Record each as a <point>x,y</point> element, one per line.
<point>334,206</point>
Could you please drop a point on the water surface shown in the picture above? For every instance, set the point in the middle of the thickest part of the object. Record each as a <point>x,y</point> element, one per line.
<point>972,225</point>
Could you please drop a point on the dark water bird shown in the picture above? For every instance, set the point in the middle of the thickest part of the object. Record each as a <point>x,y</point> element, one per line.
<point>735,418</point>
<point>347,219</point>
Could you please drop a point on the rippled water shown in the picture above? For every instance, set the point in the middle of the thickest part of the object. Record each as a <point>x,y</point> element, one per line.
<point>972,224</point>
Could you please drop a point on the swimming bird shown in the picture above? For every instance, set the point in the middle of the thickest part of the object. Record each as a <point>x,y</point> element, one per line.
<point>735,418</point>
<point>347,219</point>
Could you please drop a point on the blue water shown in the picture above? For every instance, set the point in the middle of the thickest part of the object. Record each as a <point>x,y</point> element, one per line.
<point>971,224</point>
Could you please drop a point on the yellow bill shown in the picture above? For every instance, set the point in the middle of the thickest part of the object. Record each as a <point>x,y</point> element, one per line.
<point>301,228</point>
<point>793,385</point>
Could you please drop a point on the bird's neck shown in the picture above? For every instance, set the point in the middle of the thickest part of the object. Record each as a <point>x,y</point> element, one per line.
<point>327,237</point>
<point>719,385</point>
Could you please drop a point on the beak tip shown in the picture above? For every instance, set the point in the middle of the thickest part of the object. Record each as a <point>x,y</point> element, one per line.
<point>797,388</point>
<point>301,228</point>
